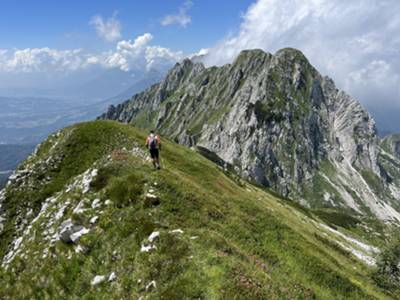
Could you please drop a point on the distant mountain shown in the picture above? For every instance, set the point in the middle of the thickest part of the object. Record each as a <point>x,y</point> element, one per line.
<point>89,86</point>
<point>277,121</point>
<point>4,175</point>
<point>386,119</point>
<point>117,82</point>
<point>10,157</point>
<point>31,119</point>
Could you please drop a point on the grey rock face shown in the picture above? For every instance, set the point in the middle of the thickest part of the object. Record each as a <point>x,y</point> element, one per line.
<point>70,233</point>
<point>276,120</point>
<point>391,144</point>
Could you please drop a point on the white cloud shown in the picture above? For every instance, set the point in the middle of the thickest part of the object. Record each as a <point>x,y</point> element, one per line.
<point>377,82</point>
<point>40,59</point>
<point>181,18</point>
<point>128,55</point>
<point>160,58</point>
<point>109,29</point>
<point>200,53</point>
<point>355,42</point>
<point>142,40</point>
<point>138,54</point>
<point>377,71</point>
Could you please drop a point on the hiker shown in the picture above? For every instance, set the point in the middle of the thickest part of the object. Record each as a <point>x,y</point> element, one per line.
<point>153,143</point>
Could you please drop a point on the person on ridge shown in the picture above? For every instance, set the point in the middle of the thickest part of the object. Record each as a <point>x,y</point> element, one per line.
<point>153,143</point>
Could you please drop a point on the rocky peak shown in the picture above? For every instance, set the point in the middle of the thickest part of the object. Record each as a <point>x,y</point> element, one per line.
<point>291,54</point>
<point>181,72</point>
<point>277,120</point>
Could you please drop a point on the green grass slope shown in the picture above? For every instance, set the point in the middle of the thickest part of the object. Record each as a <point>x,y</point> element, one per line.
<point>219,237</point>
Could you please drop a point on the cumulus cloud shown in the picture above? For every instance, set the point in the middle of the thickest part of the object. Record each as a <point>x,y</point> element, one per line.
<point>128,55</point>
<point>202,52</point>
<point>40,59</point>
<point>355,42</point>
<point>109,29</point>
<point>181,18</point>
<point>138,54</point>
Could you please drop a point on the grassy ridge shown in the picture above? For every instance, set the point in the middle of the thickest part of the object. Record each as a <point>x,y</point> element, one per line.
<point>238,241</point>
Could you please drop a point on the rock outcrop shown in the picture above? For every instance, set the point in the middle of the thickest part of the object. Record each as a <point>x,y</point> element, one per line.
<point>70,232</point>
<point>391,144</point>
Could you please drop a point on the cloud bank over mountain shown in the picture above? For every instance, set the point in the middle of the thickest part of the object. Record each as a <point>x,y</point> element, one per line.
<point>127,55</point>
<point>355,42</point>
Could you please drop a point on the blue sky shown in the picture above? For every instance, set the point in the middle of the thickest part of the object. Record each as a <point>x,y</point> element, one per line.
<point>65,24</point>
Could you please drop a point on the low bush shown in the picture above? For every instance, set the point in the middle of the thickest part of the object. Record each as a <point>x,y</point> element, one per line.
<point>124,191</point>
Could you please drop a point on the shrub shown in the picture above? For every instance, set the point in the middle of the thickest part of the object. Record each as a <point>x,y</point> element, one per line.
<point>124,191</point>
<point>105,173</point>
<point>387,272</point>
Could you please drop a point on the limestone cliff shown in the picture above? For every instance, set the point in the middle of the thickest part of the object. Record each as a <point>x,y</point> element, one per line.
<point>279,122</point>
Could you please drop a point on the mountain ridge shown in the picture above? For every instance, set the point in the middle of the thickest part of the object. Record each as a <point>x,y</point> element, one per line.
<point>278,122</point>
<point>86,216</point>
